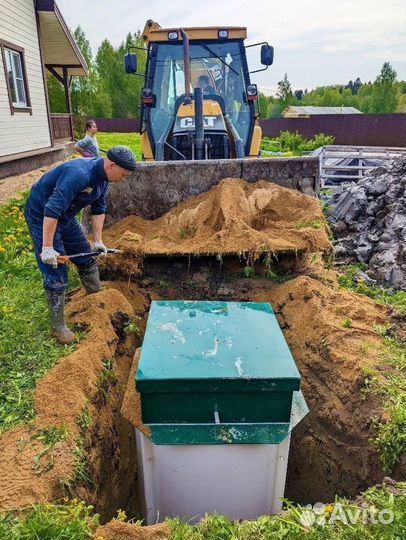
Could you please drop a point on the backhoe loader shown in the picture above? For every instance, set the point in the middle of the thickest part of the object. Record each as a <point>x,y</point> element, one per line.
<point>199,121</point>
<point>198,101</point>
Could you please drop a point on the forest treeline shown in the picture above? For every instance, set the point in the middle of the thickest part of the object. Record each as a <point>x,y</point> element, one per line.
<point>108,92</point>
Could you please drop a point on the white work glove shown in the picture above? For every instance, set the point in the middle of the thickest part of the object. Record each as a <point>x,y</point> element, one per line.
<point>49,256</point>
<point>99,246</point>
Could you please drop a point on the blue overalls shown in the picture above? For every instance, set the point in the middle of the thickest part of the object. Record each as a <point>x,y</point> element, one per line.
<point>60,194</point>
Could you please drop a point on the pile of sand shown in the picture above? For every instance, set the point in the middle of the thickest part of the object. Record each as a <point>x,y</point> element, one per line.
<point>59,398</point>
<point>118,530</point>
<point>234,218</point>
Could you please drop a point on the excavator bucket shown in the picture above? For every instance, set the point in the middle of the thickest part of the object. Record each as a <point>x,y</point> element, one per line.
<point>156,187</point>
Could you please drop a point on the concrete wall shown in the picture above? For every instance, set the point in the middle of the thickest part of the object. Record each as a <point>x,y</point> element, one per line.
<point>22,131</point>
<point>155,188</point>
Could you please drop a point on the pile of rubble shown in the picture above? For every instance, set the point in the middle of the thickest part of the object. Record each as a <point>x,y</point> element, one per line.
<point>369,221</point>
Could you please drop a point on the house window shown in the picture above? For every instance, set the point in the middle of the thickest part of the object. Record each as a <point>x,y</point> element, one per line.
<point>16,77</point>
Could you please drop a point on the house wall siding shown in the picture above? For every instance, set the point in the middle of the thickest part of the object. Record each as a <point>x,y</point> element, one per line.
<point>22,131</point>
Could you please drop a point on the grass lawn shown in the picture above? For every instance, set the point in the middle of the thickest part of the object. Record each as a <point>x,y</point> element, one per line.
<point>341,520</point>
<point>132,140</point>
<point>27,351</point>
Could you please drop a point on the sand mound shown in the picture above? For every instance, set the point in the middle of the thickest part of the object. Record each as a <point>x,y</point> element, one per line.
<point>131,407</point>
<point>27,476</point>
<point>117,530</point>
<point>235,217</point>
<point>332,338</point>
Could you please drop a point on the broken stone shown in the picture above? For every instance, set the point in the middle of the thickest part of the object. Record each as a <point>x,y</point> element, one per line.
<point>369,223</point>
<point>362,276</point>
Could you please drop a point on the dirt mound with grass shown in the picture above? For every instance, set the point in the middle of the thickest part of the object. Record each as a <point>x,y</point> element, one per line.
<point>37,459</point>
<point>235,217</point>
<point>335,339</point>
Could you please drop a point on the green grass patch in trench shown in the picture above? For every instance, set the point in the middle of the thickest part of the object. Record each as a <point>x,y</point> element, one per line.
<point>27,350</point>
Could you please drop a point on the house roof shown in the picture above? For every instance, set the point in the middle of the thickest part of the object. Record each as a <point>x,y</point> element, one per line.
<point>59,47</point>
<point>311,110</point>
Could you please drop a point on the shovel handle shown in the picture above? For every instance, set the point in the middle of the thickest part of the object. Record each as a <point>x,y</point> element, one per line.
<point>63,259</point>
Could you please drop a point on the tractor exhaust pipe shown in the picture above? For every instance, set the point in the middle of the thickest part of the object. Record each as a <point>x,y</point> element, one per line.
<point>199,127</point>
<point>186,62</point>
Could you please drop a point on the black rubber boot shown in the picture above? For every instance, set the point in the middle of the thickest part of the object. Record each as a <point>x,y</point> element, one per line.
<point>59,330</point>
<point>90,279</point>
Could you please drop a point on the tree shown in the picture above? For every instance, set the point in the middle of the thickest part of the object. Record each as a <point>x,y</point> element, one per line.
<point>263,105</point>
<point>83,88</point>
<point>284,91</point>
<point>384,94</point>
<point>56,95</point>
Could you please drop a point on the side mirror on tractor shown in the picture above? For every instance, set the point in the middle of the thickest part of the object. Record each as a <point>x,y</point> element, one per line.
<point>130,63</point>
<point>266,55</point>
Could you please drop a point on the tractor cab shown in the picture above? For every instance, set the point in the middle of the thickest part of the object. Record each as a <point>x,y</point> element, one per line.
<point>198,102</point>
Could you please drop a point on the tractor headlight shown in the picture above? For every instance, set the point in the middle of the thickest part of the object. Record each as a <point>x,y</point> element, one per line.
<point>173,35</point>
<point>252,92</point>
<point>147,96</point>
<point>223,34</point>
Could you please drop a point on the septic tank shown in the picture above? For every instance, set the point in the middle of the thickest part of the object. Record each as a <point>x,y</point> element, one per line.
<point>220,395</point>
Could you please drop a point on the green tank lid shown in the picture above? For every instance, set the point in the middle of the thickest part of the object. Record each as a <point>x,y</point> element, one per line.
<point>215,347</point>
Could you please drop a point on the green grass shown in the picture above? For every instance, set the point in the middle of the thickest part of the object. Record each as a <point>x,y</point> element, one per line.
<point>391,386</point>
<point>27,350</point>
<point>132,140</point>
<point>248,271</point>
<point>391,432</point>
<point>381,295</point>
<point>50,437</point>
<point>70,521</point>
<point>106,378</point>
<point>312,223</point>
<point>75,520</point>
<point>347,323</point>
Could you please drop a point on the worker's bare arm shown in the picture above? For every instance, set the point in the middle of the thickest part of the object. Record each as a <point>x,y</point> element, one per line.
<point>97,226</point>
<point>80,150</point>
<point>48,231</point>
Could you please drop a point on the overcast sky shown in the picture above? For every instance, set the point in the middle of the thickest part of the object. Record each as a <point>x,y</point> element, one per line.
<point>317,42</point>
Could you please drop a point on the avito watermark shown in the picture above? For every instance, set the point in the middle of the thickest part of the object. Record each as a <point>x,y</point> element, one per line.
<point>326,514</point>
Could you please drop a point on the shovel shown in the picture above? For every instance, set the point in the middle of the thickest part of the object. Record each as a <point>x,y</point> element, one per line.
<point>63,259</point>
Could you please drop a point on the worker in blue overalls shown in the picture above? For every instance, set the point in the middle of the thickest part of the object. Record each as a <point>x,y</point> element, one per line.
<point>50,213</point>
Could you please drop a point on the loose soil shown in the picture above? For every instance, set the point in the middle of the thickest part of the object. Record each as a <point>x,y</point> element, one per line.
<point>116,530</point>
<point>234,218</point>
<point>332,446</point>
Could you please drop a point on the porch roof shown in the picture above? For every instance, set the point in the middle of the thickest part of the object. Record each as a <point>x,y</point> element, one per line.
<point>58,45</point>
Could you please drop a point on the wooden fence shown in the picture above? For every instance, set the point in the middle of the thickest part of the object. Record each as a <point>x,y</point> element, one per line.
<point>347,129</point>
<point>61,126</point>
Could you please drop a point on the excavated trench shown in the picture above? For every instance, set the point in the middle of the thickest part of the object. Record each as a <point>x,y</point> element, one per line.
<point>331,452</point>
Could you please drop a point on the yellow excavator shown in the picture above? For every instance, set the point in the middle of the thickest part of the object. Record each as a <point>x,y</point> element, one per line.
<point>199,122</point>
<point>198,102</point>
